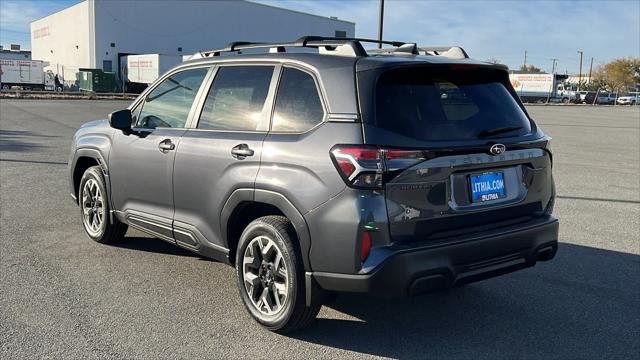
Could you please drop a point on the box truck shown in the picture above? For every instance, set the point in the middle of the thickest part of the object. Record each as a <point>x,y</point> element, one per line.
<point>540,87</point>
<point>27,74</point>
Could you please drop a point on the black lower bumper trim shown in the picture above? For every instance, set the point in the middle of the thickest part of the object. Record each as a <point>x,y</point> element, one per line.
<point>422,270</point>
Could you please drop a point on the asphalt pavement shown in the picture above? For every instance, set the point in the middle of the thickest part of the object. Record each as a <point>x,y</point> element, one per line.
<point>64,296</point>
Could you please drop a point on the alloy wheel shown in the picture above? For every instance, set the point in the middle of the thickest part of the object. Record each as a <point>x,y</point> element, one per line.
<point>265,275</point>
<point>92,207</point>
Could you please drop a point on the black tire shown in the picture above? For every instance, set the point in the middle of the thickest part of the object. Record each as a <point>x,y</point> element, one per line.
<point>294,314</point>
<point>110,229</point>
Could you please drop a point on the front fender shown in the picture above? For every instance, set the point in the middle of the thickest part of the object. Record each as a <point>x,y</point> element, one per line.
<point>95,147</point>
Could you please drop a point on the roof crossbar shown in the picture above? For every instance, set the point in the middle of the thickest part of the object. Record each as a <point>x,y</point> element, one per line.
<point>342,46</point>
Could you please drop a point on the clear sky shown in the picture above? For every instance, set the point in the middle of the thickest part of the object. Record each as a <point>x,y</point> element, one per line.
<point>503,29</point>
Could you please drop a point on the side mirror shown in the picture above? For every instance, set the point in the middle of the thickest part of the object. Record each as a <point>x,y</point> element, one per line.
<point>121,120</point>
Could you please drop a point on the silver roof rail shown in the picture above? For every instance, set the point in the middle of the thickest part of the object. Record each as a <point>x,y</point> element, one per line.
<point>338,46</point>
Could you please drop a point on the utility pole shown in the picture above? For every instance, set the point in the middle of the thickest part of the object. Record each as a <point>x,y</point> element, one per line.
<point>553,72</point>
<point>590,68</point>
<point>524,67</point>
<point>580,74</point>
<point>380,22</point>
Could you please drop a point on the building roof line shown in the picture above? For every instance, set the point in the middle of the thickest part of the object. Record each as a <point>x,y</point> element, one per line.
<point>55,12</point>
<point>247,1</point>
<point>299,12</point>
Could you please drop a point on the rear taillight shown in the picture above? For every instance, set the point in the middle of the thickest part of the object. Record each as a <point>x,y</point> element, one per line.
<point>366,166</point>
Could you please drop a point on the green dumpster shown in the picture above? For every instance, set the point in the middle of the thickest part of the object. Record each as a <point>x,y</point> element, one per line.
<point>96,80</point>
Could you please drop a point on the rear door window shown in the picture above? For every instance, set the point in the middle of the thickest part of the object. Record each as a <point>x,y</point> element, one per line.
<point>236,99</point>
<point>431,104</point>
<point>298,107</point>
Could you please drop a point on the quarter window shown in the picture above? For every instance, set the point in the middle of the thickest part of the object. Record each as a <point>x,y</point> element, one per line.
<point>236,98</point>
<point>298,107</point>
<point>168,105</point>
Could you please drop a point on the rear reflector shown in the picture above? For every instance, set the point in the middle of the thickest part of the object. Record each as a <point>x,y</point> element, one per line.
<point>365,246</point>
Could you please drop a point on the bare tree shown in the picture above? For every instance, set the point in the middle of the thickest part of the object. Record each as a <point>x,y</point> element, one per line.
<point>530,68</point>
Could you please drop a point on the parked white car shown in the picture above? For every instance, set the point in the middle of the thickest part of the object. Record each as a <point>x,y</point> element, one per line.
<point>629,99</point>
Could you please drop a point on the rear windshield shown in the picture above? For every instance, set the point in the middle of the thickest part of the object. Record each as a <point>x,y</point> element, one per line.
<point>435,104</point>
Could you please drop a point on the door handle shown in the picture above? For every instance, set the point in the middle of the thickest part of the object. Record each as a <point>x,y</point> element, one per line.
<point>241,151</point>
<point>166,145</point>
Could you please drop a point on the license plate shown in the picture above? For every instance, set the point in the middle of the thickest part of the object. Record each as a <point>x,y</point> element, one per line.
<point>487,186</point>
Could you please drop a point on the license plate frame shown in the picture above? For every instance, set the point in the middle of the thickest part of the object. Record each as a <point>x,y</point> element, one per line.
<point>487,186</point>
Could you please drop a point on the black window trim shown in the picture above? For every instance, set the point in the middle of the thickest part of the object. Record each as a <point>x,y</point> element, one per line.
<point>198,103</point>
<point>265,122</point>
<point>139,101</point>
<point>325,111</point>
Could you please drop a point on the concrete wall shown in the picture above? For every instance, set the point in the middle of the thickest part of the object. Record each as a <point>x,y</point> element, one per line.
<point>141,27</point>
<point>62,40</point>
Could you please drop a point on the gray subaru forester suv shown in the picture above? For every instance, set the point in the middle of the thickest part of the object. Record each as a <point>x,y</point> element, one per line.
<point>319,167</point>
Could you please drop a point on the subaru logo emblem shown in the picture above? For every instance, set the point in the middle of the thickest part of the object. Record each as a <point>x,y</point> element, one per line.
<point>497,149</point>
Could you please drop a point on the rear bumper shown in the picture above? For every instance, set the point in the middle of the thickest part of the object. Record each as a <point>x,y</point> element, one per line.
<point>407,272</point>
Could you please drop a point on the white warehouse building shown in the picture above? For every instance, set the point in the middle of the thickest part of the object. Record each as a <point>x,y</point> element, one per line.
<point>97,33</point>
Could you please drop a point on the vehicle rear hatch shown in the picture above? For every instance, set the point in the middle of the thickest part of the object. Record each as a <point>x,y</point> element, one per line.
<point>460,153</point>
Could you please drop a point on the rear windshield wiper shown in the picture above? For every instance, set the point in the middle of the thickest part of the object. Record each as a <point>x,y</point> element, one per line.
<point>486,133</point>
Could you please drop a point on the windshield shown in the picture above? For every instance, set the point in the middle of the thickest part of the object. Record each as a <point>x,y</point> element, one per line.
<point>435,104</point>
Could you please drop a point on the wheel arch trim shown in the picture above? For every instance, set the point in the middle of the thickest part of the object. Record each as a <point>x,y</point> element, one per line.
<point>271,198</point>
<point>93,154</point>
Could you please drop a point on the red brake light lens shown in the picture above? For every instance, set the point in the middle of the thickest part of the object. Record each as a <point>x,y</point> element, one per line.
<point>346,166</point>
<point>361,153</point>
<point>463,67</point>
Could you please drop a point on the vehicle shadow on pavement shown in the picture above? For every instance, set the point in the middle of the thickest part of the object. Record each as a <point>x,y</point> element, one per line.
<point>583,304</point>
<point>18,140</point>
<point>152,244</point>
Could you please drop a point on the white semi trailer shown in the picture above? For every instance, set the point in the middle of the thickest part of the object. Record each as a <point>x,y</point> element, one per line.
<point>27,74</point>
